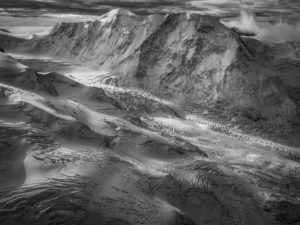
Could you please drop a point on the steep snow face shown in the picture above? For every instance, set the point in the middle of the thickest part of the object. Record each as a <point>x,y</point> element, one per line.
<point>194,60</point>
<point>110,42</point>
<point>187,58</point>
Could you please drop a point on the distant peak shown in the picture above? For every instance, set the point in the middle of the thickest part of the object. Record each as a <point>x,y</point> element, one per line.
<point>121,12</point>
<point>111,15</point>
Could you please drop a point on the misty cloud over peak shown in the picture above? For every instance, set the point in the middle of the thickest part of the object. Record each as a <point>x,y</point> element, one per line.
<point>278,31</point>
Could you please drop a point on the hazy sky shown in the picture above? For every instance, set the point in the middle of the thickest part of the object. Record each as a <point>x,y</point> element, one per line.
<point>271,19</point>
<point>96,7</point>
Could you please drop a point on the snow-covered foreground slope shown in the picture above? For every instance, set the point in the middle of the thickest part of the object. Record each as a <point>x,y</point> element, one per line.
<point>72,153</point>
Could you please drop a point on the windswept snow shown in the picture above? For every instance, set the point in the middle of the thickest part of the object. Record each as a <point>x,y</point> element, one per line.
<point>112,128</point>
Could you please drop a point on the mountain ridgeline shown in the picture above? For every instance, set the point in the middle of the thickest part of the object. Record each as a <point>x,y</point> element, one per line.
<point>187,58</point>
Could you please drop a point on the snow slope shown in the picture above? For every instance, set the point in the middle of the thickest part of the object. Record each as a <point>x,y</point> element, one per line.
<point>71,153</point>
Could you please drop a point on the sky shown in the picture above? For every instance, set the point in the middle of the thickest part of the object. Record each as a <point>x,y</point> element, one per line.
<point>96,7</point>
<point>260,16</point>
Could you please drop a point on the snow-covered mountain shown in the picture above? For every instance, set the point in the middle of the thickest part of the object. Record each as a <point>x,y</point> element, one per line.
<point>188,58</point>
<point>102,122</point>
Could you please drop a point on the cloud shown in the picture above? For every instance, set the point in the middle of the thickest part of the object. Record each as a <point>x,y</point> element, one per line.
<point>253,16</point>
<point>245,22</point>
<point>96,7</point>
<point>233,7</point>
<point>273,32</point>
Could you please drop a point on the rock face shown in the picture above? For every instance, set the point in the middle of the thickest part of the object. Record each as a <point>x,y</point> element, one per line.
<point>187,58</point>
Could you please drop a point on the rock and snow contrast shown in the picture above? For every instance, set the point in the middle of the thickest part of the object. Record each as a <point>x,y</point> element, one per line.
<point>158,119</point>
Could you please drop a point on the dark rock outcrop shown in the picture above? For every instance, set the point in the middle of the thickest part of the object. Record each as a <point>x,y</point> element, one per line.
<point>4,30</point>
